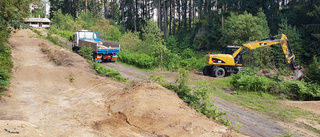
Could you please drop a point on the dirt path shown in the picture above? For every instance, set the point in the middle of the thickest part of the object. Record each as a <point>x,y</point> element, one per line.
<point>55,93</point>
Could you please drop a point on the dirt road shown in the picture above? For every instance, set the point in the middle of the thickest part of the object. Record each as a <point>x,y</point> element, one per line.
<point>55,93</point>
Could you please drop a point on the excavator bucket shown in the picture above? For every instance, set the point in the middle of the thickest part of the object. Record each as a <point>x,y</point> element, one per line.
<point>298,74</point>
<point>295,66</point>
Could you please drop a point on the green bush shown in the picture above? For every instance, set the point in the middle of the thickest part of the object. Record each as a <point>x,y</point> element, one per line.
<point>4,78</point>
<point>63,33</point>
<point>252,82</point>
<point>54,40</point>
<point>313,72</point>
<point>296,90</point>
<point>140,60</point>
<point>199,99</point>
<point>300,90</point>
<point>86,52</point>
<point>109,72</point>
<point>5,65</point>
<point>5,58</point>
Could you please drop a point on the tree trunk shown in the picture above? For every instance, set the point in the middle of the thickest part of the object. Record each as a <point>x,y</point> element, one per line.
<point>105,3</point>
<point>165,18</point>
<point>122,14</point>
<point>158,10</point>
<point>190,15</point>
<point>185,5</point>
<point>161,15</point>
<point>135,16</point>
<point>170,24</point>
<point>179,13</point>
<point>86,5</point>
<point>194,13</point>
<point>174,18</point>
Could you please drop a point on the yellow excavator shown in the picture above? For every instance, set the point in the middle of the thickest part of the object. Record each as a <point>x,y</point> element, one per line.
<point>218,65</point>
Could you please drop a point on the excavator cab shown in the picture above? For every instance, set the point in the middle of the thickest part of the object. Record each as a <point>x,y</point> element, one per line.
<point>230,50</point>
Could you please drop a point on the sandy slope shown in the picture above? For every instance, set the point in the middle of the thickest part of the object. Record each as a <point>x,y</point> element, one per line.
<point>55,92</point>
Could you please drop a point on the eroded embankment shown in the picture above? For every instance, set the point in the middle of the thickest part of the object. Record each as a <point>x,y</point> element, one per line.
<point>56,91</point>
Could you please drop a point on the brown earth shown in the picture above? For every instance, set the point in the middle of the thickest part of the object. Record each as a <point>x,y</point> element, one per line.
<point>55,93</point>
<point>312,106</point>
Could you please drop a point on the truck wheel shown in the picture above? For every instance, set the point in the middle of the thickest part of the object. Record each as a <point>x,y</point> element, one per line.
<point>94,56</point>
<point>75,49</point>
<point>219,72</point>
<point>207,71</point>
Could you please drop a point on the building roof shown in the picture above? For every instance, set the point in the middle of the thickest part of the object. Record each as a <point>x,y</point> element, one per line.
<point>37,20</point>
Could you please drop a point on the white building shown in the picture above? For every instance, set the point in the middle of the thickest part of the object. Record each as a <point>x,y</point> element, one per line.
<point>38,22</point>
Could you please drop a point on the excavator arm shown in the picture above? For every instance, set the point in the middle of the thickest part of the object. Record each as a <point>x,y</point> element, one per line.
<point>283,41</point>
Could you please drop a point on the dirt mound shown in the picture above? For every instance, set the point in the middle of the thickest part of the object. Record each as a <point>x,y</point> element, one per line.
<point>57,91</point>
<point>157,110</point>
<point>63,57</point>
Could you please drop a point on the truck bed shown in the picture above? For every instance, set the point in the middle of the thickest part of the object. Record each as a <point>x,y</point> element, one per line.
<point>101,47</point>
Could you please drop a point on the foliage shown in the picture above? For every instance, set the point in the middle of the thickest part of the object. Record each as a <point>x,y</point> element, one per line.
<point>313,72</point>
<point>86,52</point>
<point>300,90</point>
<point>5,57</point>
<point>252,82</point>
<point>198,99</point>
<point>107,31</point>
<point>295,42</point>
<point>245,27</point>
<point>63,33</point>
<point>60,20</point>
<point>109,72</point>
<point>88,18</point>
<point>130,42</point>
<point>297,90</point>
<point>138,59</point>
<point>14,9</point>
<point>54,40</point>
<point>172,44</point>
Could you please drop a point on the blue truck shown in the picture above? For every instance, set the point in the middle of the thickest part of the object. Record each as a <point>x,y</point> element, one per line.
<point>102,50</point>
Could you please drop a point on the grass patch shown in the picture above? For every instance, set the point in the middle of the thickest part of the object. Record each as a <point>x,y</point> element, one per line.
<point>263,102</point>
<point>108,72</point>
<point>308,127</point>
<point>135,67</point>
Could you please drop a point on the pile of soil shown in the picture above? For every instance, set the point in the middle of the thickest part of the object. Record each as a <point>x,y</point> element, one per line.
<point>60,95</point>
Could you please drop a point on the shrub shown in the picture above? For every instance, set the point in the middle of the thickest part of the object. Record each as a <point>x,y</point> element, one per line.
<point>4,78</point>
<point>297,90</point>
<point>86,52</point>
<point>63,33</point>
<point>140,60</point>
<point>109,72</point>
<point>313,72</point>
<point>199,99</point>
<point>300,90</point>
<point>54,40</point>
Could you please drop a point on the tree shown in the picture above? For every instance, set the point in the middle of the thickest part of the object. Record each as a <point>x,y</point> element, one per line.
<point>14,9</point>
<point>295,41</point>
<point>313,72</point>
<point>245,27</point>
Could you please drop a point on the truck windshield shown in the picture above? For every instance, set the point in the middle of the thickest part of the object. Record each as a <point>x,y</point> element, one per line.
<point>87,35</point>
